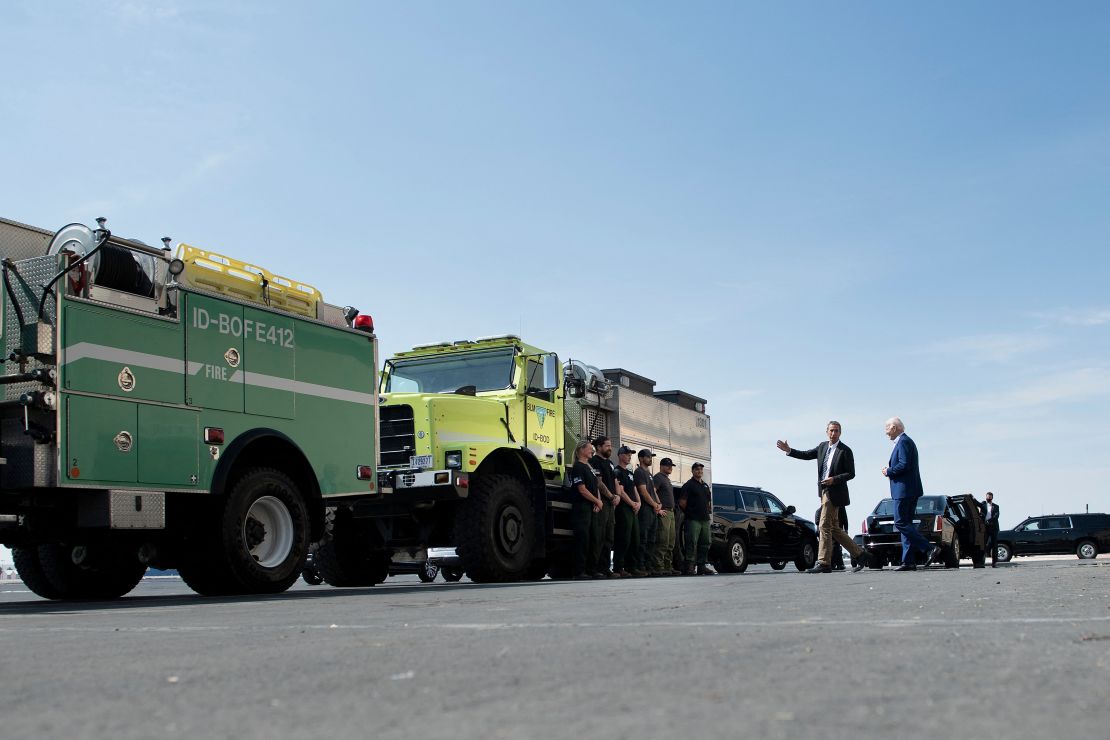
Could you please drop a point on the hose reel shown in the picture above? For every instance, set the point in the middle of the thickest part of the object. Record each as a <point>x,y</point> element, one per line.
<point>109,264</point>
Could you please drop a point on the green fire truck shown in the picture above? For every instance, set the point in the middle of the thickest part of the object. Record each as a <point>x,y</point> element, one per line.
<point>184,411</point>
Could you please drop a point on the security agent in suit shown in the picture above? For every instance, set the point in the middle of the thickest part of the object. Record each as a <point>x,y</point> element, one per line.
<point>835,467</point>
<point>989,510</point>
<point>904,474</point>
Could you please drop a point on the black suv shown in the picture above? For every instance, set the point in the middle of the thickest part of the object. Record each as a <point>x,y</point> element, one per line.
<point>953,522</point>
<point>750,525</point>
<point>1084,534</point>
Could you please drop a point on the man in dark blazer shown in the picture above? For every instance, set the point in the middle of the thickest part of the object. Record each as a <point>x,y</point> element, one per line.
<point>904,475</point>
<point>835,467</point>
<point>989,510</point>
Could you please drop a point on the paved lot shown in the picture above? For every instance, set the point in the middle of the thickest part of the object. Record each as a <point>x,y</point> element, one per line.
<point>1021,651</point>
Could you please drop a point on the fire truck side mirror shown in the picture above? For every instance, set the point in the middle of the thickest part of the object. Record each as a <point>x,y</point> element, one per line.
<point>550,372</point>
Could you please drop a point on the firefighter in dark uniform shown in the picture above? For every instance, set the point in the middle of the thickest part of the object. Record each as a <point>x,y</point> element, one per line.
<point>696,500</point>
<point>626,542</point>
<point>604,520</point>
<point>584,505</point>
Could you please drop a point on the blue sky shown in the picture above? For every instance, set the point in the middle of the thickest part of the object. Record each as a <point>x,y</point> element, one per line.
<point>800,211</point>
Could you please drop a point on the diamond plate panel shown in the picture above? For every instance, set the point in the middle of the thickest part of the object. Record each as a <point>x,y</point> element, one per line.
<point>131,510</point>
<point>29,463</point>
<point>20,241</point>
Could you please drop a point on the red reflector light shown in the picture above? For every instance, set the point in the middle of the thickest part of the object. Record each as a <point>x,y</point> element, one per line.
<point>364,322</point>
<point>864,528</point>
<point>940,523</point>
<point>213,436</point>
<point>463,482</point>
<point>365,472</point>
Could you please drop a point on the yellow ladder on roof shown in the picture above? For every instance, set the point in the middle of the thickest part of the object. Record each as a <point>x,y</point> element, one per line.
<point>237,279</point>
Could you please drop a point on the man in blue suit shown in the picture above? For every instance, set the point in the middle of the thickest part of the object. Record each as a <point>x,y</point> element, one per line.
<point>904,475</point>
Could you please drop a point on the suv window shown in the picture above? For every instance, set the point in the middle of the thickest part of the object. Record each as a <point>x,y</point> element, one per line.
<point>1056,522</point>
<point>724,498</point>
<point>755,501</point>
<point>773,504</point>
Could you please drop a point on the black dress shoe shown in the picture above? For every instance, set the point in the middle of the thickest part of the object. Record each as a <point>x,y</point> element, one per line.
<point>934,555</point>
<point>862,561</point>
<point>905,567</point>
<point>819,567</point>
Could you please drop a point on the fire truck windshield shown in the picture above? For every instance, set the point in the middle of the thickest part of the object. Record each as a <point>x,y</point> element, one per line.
<point>449,373</point>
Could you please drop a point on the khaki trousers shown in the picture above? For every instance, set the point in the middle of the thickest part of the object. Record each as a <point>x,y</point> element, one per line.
<point>831,532</point>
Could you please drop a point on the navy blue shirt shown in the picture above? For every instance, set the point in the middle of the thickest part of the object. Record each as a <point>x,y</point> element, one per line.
<point>696,493</point>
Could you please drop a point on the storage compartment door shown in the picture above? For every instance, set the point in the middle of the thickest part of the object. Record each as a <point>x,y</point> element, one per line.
<point>169,442</point>
<point>101,437</point>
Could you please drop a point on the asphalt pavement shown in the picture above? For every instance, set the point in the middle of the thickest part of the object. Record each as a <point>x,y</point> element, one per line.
<point>1021,651</point>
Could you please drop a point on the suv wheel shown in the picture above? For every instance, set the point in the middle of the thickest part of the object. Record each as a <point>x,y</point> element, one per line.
<point>1005,552</point>
<point>735,558</point>
<point>807,557</point>
<point>428,572</point>
<point>1086,550</point>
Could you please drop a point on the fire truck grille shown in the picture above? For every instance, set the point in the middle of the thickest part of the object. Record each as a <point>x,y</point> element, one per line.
<point>398,435</point>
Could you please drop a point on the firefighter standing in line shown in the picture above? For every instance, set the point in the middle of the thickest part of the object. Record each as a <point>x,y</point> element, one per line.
<point>650,513</point>
<point>665,537</point>
<point>583,481</point>
<point>626,547</point>
<point>608,492</point>
<point>696,500</point>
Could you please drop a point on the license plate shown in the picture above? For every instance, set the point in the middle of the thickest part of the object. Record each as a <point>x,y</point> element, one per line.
<point>420,462</point>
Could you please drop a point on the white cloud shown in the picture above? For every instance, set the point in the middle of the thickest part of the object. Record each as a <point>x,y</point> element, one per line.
<point>1077,317</point>
<point>1063,387</point>
<point>144,11</point>
<point>983,348</point>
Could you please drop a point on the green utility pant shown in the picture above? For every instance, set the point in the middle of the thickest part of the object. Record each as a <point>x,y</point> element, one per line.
<point>649,524</point>
<point>603,545</point>
<point>697,541</point>
<point>679,560</point>
<point>626,542</point>
<point>664,544</point>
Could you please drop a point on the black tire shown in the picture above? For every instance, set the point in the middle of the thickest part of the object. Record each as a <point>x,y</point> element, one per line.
<point>30,571</point>
<point>254,540</point>
<point>428,572</point>
<point>1005,552</point>
<point>311,577</point>
<point>342,563</point>
<point>877,563</point>
<point>735,557</point>
<point>1086,550</point>
<point>807,558</point>
<point>494,529</point>
<point>778,565</point>
<point>113,576</point>
<point>451,575</point>
<point>952,554</point>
